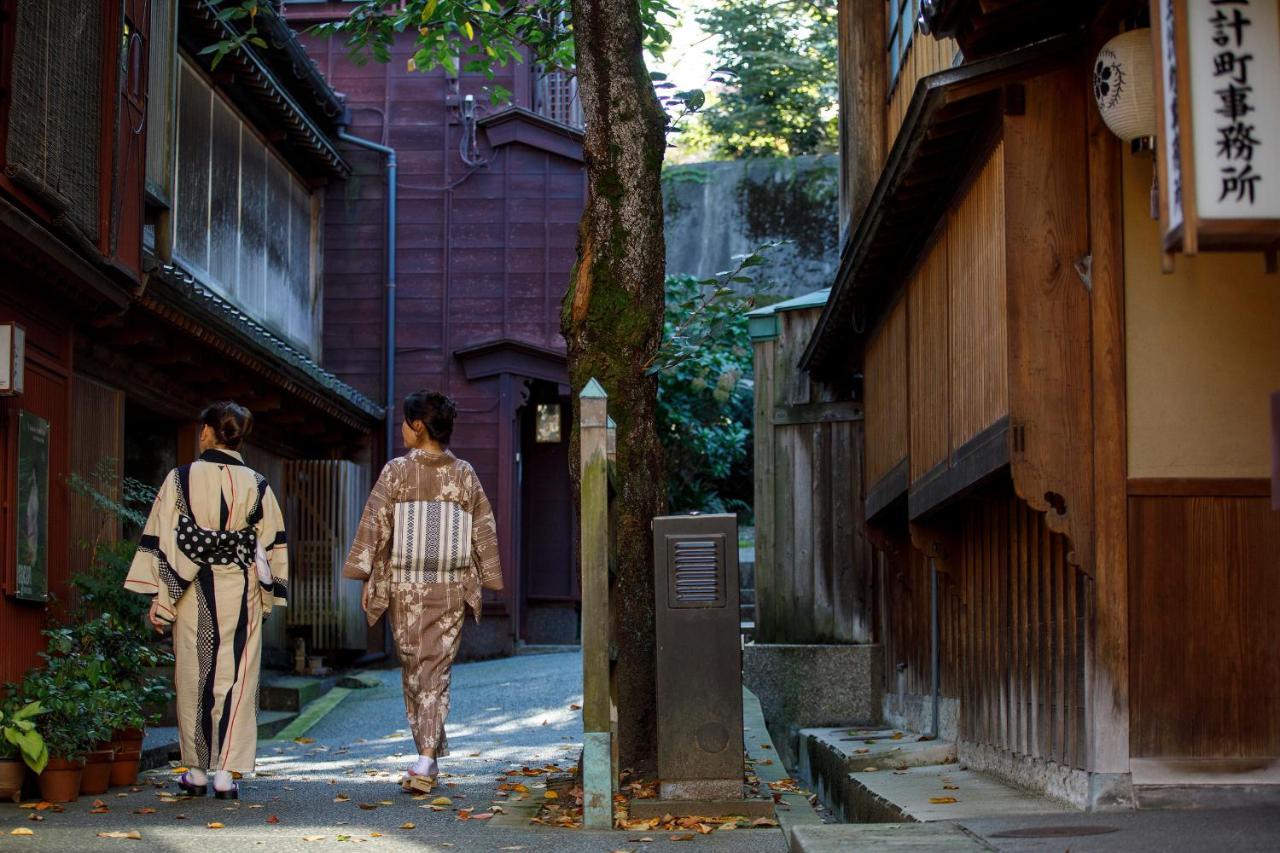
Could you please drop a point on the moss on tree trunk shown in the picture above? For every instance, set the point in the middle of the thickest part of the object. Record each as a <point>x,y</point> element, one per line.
<point>612,323</point>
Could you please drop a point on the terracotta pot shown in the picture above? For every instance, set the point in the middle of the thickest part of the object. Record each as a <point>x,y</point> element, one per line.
<point>127,740</point>
<point>12,774</point>
<point>60,781</point>
<point>124,769</point>
<point>97,771</point>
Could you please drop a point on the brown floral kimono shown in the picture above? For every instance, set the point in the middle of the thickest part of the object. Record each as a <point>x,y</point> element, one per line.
<point>426,545</point>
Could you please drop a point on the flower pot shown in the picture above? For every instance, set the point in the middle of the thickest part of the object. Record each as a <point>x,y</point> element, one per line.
<point>12,774</point>
<point>124,769</point>
<point>127,740</point>
<point>97,771</point>
<point>60,781</point>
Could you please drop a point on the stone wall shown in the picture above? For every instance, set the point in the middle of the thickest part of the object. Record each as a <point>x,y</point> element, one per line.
<point>719,209</point>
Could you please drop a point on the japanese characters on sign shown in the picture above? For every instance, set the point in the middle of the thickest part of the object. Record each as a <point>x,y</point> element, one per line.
<point>1235,74</point>
<point>1220,116</point>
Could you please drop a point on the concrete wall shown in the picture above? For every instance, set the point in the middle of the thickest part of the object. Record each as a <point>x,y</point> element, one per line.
<point>720,209</point>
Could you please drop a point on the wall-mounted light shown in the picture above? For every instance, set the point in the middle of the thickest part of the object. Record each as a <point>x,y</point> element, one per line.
<point>547,423</point>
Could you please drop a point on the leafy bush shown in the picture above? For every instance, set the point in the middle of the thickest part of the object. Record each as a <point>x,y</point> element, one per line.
<point>18,735</point>
<point>704,395</point>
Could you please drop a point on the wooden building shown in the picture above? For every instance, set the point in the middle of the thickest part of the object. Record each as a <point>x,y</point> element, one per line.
<point>488,199</point>
<point>160,243</point>
<point>1065,411</point>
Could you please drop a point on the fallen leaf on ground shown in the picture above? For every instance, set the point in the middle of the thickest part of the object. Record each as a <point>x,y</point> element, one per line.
<point>214,825</point>
<point>442,801</point>
<point>34,816</point>
<point>22,830</point>
<point>764,821</point>
<point>131,835</point>
<point>943,801</point>
<point>482,816</point>
<point>342,798</point>
<point>103,810</point>
<point>688,836</point>
<point>304,740</point>
<point>551,795</point>
<point>368,806</point>
<point>951,787</point>
<point>273,819</point>
<point>313,838</point>
<point>146,810</point>
<point>862,751</point>
<point>575,707</point>
<point>464,814</point>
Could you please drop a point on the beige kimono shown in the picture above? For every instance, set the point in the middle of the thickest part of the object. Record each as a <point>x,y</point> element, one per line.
<point>426,545</point>
<point>196,558</point>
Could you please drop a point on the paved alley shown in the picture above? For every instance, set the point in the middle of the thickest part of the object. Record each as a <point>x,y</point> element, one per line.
<point>505,713</point>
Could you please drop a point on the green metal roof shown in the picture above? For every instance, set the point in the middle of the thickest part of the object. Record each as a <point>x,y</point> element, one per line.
<point>762,323</point>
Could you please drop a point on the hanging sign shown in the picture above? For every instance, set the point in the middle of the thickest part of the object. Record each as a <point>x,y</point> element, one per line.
<point>13,345</point>
<point>31,540</point>
<point>1218,66</point>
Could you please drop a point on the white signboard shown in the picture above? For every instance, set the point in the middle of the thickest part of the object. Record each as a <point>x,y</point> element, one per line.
<point>1234,49</point>
<point>12,351</point>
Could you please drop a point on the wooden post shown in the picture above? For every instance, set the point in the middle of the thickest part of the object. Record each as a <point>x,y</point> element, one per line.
<point>597,762</point>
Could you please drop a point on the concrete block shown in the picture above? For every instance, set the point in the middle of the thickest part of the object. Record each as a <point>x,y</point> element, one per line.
<point>827,757</point>
<point>806,686</point>
<point>289,693</point>
<point>553,624</point>
<point>922,794</point>
<point>597,781</point>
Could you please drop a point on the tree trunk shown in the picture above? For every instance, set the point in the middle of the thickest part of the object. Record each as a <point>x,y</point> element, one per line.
<point>612,322</point>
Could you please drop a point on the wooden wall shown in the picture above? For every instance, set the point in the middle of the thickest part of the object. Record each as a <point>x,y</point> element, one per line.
<point>929,351</point>
<point>885,381</point>
<point>1204,603</point>
<point>97,441</point>
<point>925,56</point>
<point>813,580</point>
<point>1014,623</point>
<point>978,317</point>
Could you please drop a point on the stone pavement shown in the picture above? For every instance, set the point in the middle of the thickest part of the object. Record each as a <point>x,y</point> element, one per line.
<point>505,712</point>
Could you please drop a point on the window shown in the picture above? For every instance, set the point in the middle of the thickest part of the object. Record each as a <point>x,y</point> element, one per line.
<point>547,425</point>
<point>902,27</point>
<point>243,223</point>
<point>162,76</point>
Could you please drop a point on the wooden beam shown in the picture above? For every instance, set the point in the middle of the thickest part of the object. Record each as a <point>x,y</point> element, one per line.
<point>1107,656</point>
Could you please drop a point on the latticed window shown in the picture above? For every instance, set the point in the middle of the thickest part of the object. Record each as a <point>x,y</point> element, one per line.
<point>555,96</point>
<point>902,27</point>
<point>243,223</point>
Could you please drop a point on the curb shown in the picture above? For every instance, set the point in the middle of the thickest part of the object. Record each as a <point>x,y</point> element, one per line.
<point>313,713</point>
<point>793,810</point>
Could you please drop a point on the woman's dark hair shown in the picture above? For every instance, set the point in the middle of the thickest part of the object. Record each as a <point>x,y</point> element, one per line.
<point>435,410</point>
<point>230,422</point>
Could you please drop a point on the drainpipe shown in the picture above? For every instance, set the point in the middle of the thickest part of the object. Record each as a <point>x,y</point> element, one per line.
<point>935,641</point>
<point>389,323</point>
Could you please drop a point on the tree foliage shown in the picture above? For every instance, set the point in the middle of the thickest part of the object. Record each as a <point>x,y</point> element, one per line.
<point>780,59</point>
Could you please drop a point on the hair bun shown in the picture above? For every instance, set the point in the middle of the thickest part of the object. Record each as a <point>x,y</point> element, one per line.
<point>229,421</point>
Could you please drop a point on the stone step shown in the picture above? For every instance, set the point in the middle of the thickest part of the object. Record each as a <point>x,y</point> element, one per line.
<point>938,792</point>
<point>289,692</point>
<point>893,837</point>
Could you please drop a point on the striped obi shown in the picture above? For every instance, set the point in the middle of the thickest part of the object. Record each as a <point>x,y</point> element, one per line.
<point>431,543</point>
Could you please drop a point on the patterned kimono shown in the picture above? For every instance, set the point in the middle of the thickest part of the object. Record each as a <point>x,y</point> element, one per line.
<point>196,557</point>
<point>426,545</point>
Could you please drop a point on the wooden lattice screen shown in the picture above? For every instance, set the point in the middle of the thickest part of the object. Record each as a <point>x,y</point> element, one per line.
<point>322,502</point>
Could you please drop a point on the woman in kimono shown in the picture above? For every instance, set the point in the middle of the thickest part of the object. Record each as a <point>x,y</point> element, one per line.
<point>213,559</point>
<point>425,547</point>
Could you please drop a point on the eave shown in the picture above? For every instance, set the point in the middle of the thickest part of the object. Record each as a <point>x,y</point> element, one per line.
<point>249,80</point>
<point>986,27</point>
<point>950,125</point>
<point>518,358</point>
<point>517,124</point>
<point>177,297</point>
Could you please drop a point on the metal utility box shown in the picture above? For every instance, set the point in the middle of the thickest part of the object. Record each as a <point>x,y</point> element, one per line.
<point>699,657</point>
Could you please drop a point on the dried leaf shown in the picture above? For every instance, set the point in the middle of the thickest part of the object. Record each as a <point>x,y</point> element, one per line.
<point>22,830</point>
<point>688,836</point>
<point>951,787</point>
<point>575,707</point>
<point>313,838</point>
<point>442,801</point>
<point>99,811</point>
<point>304,740</point>
<point>943,801</point>
<point>551,795</point>
<point>764,821</point>
<point>214,825</point>
<point>342,798</point>
<point>408,825</point>
<point>862,751</point>
<point>368,806</point>
<point>273,819</point>
<point>131,835</point>
<point>482,816</point>
<point>34,816</point>
<point>146,810</point>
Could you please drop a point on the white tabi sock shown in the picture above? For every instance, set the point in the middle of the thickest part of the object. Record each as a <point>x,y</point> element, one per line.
<point>222,780</point>
<point>197,777</point>
<point>426,766</point>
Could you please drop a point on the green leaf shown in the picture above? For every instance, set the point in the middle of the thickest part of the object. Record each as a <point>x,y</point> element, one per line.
<point>260,42</point>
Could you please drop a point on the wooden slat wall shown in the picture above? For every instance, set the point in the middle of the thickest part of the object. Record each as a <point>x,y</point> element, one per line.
<point>928,345</point>
<point>1204,602</point>
<point>885,378</point>
<point>978,306</point>
<point>1014,629</point>
<point>323,500</point>
<point>767,616</point>
<point>925,56</point>
<point>97,426</point>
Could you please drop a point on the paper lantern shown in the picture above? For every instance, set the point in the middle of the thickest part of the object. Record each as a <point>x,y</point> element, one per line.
<point>1124,85</point>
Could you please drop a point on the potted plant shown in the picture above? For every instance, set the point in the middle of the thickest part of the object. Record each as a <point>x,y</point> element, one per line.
<point>21,746</point>
<point>71,724</point>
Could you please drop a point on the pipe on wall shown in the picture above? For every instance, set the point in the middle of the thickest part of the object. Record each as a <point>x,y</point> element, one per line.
<point>935,639</point>
<point>389,331</point>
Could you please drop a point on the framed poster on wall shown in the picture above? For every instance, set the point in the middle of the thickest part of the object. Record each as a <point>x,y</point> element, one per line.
<point>31,534</point>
